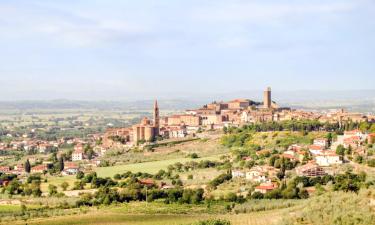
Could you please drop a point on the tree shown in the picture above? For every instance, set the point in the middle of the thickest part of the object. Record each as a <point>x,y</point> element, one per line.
<point>61,164</point>
<point>52,190</point>
<point>340,150</point>
<point>257,195</point>
<point>27,166</point>
<point>80,175</point>
<point>329,138</point>
<point>64,186</point>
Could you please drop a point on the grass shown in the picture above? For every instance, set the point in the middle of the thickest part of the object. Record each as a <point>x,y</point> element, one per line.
<point>57,181</point>
<point>9,208</point>
<point>159,214</point>
<point>200,176</point>
<point>117,218</point>
<point>146,167</point>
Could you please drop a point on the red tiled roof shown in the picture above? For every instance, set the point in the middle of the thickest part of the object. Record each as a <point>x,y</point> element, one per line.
<point>316,147</point>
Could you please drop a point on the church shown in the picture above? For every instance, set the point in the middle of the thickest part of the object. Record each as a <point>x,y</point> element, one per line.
<point>147,130</point>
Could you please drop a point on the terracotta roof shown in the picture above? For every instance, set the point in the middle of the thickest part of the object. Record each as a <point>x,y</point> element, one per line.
<point>316,147</point>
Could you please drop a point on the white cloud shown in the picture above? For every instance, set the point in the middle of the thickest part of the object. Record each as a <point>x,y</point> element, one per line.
<point>245,11</point>
<point>66,27</point>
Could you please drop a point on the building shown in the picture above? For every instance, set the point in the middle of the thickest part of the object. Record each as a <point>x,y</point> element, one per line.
<point>316,149</point>
<point>39,169</point>
<point>70,169</point>
<point>78,153</point>
<point>147,130</point>
<point>239,104</point>
<point>257,175</point>
<point>4,169</point>
<point>156,115</point>
<point>267,102</point>
<point>238,174</point>
<point>328,158</point>
<point>310,170</point>
<point>264,188</point>
<point>321,142</point>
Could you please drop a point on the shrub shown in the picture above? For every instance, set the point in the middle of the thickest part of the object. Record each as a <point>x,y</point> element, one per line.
<point>213,222</point>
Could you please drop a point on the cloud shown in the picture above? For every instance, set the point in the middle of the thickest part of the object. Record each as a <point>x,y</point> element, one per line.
<point>245,11</point>
<point>67,27</point>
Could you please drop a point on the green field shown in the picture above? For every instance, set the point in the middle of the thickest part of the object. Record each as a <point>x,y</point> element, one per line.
<point>179,215</point>
<point>146,167</point>
<point>57,181</point>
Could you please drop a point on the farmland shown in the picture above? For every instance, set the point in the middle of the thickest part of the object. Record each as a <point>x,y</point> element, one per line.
<point>146,167</point>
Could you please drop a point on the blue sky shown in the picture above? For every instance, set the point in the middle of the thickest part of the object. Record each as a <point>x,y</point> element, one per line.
<point>98,49</point>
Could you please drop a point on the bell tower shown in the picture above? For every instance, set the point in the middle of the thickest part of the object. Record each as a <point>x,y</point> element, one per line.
<point>267,98</point>
<point>156,118</point>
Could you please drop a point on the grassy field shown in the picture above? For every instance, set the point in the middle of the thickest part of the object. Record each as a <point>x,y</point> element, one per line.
<point>263,218</point>
<point>121,215</point>
<point>57,181</point>
<point>9,208</point>
<point>147,167</point>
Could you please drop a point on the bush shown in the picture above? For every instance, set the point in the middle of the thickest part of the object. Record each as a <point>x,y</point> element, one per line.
<point>371,163</point>
<point>219,180</point>
<point>213,222</point>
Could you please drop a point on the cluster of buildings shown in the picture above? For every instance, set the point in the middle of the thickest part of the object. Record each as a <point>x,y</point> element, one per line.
<point>217,115</point>
<point>70,168</point>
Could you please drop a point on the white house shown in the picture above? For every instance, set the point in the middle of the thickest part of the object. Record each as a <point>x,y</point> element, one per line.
<point>257,174</point>
<point>328,159</point>
<point>238,174</point>
<point>321,142</point>
<point>77,155</point>
<point>316,149</point>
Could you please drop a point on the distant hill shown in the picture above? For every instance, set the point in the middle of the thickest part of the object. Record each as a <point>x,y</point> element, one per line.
<point>361,101</point>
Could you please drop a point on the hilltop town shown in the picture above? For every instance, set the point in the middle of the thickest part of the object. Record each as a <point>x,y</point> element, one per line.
<point>223,153</point>
<point>216,116</point>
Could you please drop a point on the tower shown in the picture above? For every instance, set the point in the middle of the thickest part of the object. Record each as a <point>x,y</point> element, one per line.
<point>267,98</point>
<point>156,118</point>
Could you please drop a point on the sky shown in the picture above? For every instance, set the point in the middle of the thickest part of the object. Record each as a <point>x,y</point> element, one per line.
<point>119,49</point>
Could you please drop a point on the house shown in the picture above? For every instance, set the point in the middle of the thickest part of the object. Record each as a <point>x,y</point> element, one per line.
<point>265,187</point>
<point>70,169</point>
<point>321,142</point>
<point>311,169</point>
<point>328,158</point>
<point>238,174</point>
<point>4,169</point>
<point>44,148</point>
<point>354,139</point>
<point>290,156</point>
<point>77,155</point>
<point>177,132</point>
<point>18,169</point>
<point>257,175</point>
<point>316,149</point>
<point>147,182</point>
<point>295,148</point>
<point>39,169</point>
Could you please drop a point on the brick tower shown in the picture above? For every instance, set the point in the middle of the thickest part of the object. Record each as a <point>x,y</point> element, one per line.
<point>267,98</point>
<point>156,118</point>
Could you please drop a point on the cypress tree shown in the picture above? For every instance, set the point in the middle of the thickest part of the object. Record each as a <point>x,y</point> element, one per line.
<point>61,164</point>
<point>27,166</point>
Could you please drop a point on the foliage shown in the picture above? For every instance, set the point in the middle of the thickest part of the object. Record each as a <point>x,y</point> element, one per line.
<point>336,208</point>
<point>213,222</point>
<point>219,180</point>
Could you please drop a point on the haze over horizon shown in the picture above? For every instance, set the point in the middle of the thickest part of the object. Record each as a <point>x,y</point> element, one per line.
<point>116,50</point>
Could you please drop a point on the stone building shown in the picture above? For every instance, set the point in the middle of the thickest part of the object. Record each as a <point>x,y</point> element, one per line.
<point>147,130</point>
